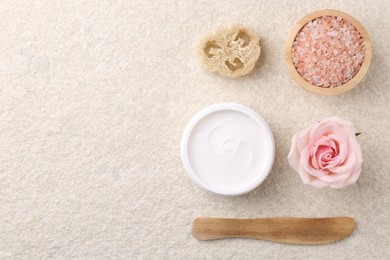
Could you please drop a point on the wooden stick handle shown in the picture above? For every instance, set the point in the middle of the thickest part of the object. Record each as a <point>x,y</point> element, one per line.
<point>284,230</point>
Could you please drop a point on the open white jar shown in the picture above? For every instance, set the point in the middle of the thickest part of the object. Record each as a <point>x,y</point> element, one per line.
<point>227,149</point>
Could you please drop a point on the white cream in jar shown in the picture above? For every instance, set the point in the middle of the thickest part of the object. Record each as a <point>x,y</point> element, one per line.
<point>227,149</point>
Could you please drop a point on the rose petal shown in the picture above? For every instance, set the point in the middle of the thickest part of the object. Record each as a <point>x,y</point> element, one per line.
<point>353,177</point>
<point>334,145</point>
<point>324,141</point>
<point>347,166</point>
<point>293,156</point>
<point>342,150</point>
<point>303,139</point>
<point>337,176</point>
<point>356,147</point>
<point>319,183</point>
<point>314,162</point>
<point>305,176</point>
<point>327,127</point>
<point>350,180</point>
<point>346,125</point>
<point>305,162</point>
<point>334,177</point>
<point>320,154</point>
<point>355,173</point>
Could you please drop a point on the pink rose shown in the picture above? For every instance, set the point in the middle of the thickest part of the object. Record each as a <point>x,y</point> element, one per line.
<point>327,154</point>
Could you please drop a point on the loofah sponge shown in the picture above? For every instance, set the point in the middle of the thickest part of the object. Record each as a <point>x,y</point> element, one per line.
<point>231,52</point>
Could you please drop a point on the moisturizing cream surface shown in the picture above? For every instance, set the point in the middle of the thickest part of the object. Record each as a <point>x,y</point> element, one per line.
<point>230,150</point>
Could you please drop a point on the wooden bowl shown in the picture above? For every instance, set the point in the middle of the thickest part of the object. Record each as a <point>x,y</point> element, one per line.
<point>332,90</point>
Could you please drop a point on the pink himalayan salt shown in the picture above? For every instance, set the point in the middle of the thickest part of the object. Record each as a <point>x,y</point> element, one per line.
<point>328,51</point>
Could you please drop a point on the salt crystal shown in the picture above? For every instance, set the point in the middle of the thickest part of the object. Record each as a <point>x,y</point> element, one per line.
<point>328,51</point>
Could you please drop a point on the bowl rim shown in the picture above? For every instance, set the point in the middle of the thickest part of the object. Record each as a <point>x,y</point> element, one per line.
<point>257,180</point>
<point>334,90</point>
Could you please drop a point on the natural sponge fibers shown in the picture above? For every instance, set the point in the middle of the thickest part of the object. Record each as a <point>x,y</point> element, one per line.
<point>231,52</point>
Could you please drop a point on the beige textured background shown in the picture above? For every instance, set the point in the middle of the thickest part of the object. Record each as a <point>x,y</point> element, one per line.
<point>94,96</point>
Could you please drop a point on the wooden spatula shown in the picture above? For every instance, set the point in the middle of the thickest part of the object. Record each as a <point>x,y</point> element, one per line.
<point>284,230</point>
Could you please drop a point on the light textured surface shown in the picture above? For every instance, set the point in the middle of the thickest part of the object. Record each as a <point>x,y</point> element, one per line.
<point>95,95</point>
